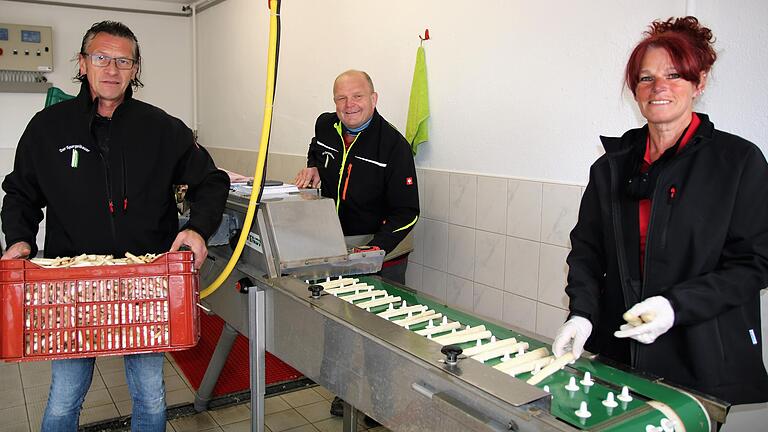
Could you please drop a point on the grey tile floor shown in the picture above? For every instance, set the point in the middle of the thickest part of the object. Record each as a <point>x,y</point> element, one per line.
<point>24,391</point>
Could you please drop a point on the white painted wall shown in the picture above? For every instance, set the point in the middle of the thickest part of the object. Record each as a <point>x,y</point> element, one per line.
<point>231,55</point>
<point>517,88</point>
<point>166,50</point>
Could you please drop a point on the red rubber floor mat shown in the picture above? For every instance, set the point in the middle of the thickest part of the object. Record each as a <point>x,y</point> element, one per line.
<point>235,374</point>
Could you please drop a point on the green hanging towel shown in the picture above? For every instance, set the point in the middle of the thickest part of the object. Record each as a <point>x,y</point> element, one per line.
<point>416,131</point>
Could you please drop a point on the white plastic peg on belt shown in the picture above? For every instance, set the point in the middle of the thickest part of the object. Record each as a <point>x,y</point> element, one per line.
<point>431,324</point>
<point>571,386</point>
<point>536,369</point>
<point>506,357</point>
<point>493,339</point>
<point>392,307</point>
<point>667,425</point>
<point>609,401</point>
<point>404,304</point>
<point>624,396</point>
<point>445,320</point>
<point>520,351</point>
<point>587,380</point>
<point>480,342</point>
<point>546,388</point>
<point>582,412</point>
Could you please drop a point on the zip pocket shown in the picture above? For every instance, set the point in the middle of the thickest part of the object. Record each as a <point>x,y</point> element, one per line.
<point>672,197</point>
<point>346,182</point>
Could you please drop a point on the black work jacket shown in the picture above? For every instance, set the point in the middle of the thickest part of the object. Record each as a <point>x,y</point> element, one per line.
<point>149,152</point>
<point>373,183</point>
<point>706,252</point>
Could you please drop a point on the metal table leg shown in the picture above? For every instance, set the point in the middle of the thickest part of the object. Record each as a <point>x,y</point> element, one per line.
<point>349,421</point>
<point>257,350</point>
<point>215,365</point>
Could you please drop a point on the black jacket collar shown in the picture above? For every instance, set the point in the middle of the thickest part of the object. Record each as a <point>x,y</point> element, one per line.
<point>636,137</point>
<point>86,101</point>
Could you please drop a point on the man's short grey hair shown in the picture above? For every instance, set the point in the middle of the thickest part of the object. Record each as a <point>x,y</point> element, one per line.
<point>358,72</point>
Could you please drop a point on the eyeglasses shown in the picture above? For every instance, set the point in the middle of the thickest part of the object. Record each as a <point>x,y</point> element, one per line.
<point>101,60</point>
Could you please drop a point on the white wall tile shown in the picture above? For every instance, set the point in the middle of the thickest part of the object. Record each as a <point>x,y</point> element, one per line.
<point>553,272</point>
<point>433,283</point>
<point>489,258</point>
<point>436,195</point>
<point>461,251</point>
<point>522,267</point>
<point>519,312</point>
<point>549,319</point>
<point>421,181</point>
<point>524,209</point>
<point>459,293</point>
<point>560,210</point>
<point>417,256</point>
<point>7,156</point>
<point>413,276</point>
<point>462,199</point>
<point>492,204</point>
<point>488,301</point>
<point>435,244</point>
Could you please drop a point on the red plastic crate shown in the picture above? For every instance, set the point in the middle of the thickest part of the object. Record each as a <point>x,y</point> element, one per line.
<point>57,313</point>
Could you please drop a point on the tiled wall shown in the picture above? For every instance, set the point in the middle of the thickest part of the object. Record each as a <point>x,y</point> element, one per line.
<point>495,246</point>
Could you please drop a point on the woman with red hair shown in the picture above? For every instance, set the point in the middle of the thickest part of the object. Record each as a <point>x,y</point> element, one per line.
<point>670,250</point>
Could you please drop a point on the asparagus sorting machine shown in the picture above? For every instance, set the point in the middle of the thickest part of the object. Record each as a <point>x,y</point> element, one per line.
<point>397,355</point>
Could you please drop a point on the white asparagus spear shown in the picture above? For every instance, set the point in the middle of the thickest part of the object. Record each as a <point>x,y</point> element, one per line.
<point>439,329</point>
<point>391,313</point>
<point>466,331</point>
<point>418,319</point>
<point>364,295</point>
<point>338,282</point>
<point>469,352</point>
<point>498,352</point>
<point>379,302</point>
<point>551,368</point>
<point>527,357</point>
<point>347,288</point>
<point>461,338</point>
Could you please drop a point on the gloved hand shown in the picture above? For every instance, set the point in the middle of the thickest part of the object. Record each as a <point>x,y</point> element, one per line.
<point>572,336</point>
<point>663,318</point>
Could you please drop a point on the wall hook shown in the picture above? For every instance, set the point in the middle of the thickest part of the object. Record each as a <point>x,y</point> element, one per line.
<point>426,37</point>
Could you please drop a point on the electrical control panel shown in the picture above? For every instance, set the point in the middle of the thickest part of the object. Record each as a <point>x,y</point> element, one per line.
<point>26,48</point>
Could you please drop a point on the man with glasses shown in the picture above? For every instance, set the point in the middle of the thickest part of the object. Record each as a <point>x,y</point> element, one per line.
<point>104,165</point>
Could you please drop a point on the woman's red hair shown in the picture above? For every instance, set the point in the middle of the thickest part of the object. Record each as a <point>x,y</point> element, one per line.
<point>688,44</point>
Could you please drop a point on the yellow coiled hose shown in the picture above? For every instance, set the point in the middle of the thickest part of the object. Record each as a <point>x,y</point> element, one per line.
<point>258,175</point>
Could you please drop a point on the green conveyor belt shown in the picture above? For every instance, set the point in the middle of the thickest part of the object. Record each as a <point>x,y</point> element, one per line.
<point>632,416</point>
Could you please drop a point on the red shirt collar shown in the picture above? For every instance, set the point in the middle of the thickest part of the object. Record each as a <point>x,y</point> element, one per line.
<point>695,122</point>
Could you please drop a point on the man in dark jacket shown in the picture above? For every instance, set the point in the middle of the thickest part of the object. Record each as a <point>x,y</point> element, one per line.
<point>364,164</point>
<point>103,165</point>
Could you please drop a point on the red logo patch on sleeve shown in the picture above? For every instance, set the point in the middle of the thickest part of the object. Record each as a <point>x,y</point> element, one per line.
<point>409,181</point>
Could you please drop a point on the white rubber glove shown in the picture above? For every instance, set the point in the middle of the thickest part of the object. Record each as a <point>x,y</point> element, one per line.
<point>572,336</point>
<point>663,319</point>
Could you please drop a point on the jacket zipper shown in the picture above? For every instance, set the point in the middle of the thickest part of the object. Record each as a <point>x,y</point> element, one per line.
<point>672,193</point>
<point>107,175</point>
<point>622,259</point>
<point>346,152</point>
<point>346,182</point>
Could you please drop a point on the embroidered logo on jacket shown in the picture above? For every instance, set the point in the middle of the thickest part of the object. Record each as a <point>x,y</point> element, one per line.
<point>74,147</point>
<point>409,181</point>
